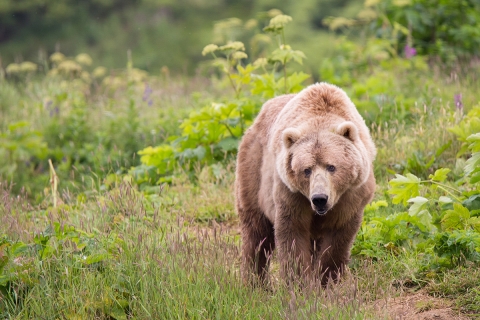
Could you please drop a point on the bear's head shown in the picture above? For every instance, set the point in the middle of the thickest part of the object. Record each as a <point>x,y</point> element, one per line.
<point>323,165</point>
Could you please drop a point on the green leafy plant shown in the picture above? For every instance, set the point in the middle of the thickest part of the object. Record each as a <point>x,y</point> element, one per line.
<point>22,151</point>
<point>469,124</point>
<point>472,166</point>
<point>448,29</point>
<point>449,214</point>
<point>19,261</point>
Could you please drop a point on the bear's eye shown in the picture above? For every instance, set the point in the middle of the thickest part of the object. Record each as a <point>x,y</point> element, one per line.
<point>331,168</point>
<point>307,172</point>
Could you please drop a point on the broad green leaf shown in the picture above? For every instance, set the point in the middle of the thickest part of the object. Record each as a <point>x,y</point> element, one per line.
<point>474,140</point>
<point>285,54</point>
<point>228,144</point>
<point>375,205</point>
<point>199,152</point>
<point>467,128</point>
<point>475,176</point>
<point>190,153</point>
<point>444,199</point>
<point>473,202</point>
<point>473,164</point>
<point>418,204</point>
<point>456,219</point>
<point>440,175</point>
<point>425,218</point>
<point>281,55</point>
<point>298,56</point>
<point>404,188</point>
<point>474,222</point>
<point>295,80</point>
<point>160,157</point>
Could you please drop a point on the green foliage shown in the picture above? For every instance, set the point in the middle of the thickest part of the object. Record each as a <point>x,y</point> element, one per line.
<point>442,222</point>
<point>22,152</point>
<point>420,163</point>
<point>19,261</point>
<point>86,121</point>
<point>472,166</point>
<point>404,188</point>
<point>448,29</point>
<point>469,125</point>
<point>20,149</point>
<point>456,248</point>
<point>445,28</point>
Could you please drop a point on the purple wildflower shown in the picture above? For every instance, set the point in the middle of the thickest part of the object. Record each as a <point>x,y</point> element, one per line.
<point>458,101</point>
<point>409,51</point>
<point>54,112</point>
<point>147,92</point>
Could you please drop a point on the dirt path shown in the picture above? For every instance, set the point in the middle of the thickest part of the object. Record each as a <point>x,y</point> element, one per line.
<point>419,306</point>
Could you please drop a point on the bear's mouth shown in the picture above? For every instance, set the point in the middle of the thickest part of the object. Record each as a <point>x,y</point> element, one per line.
<point>321,212</point>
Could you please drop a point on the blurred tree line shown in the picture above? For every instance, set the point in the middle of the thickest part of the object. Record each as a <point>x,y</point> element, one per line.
<point>159,32</point>
<point>172,33</point>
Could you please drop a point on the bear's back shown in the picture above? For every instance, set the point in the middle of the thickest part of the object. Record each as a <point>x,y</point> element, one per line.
<point>267,117</point>
<point>320,106</point>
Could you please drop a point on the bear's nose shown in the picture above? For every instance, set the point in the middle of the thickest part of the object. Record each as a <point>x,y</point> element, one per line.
<point>320,201</point>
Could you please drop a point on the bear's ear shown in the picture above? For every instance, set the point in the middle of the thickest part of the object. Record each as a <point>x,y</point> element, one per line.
<point>348,130</point>
<point>290,136</point>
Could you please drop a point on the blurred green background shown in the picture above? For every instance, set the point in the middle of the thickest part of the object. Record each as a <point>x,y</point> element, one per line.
<point>159,33</point>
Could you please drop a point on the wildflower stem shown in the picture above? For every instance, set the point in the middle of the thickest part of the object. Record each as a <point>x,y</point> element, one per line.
<point>233,85</point>
<point>53,182</point>
<point>228,128</point>
<point>441,185</point>
<point>445,188</point>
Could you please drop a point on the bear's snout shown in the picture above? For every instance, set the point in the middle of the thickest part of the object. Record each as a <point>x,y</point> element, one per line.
<point>319,201</point>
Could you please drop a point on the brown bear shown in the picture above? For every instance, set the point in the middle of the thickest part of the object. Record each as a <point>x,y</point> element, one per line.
<point>304,176</point>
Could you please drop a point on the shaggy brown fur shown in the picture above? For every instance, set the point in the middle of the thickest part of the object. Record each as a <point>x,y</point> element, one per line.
<point>304,175</point>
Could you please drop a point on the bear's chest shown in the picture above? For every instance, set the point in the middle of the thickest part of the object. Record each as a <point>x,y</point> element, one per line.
<point>322,225</point>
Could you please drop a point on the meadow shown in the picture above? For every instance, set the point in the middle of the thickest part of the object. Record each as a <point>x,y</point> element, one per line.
<point>117,185</point>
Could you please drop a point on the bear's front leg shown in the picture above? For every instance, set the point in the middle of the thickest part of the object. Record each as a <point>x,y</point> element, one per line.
<point>333,254</point>
<point>257,246</point>
<point>292,237</point>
